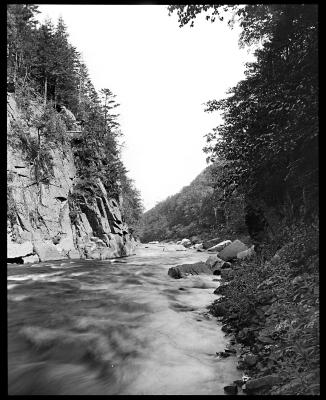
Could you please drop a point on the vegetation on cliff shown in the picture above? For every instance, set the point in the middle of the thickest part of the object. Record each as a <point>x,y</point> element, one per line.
<point>47,73</point>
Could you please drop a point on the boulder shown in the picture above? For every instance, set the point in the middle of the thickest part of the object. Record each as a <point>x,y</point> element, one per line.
<point>216,263</point>
<point>31,259</point>
<point>47,251</point>
<point>15,250</point>
<point>246,253</point>
<point>199,246</point>
<point>186,242</point>
<point>231,389</point>
<point>212,260</point>
<point>219,246</point>
<point>231,251</point>
<point>265,381</point>
<point>180,271</point>
<point>212,242</point>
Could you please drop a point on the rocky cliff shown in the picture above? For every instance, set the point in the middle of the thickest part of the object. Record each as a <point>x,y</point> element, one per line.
<point>45,220</point>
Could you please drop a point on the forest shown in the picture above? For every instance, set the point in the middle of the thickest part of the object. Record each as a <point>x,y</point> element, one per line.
<point>262,181</point>
<point>43,67</point>
<point>196,212</point>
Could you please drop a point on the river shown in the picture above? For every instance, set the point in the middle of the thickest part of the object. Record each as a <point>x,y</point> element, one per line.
<point>118,326</point>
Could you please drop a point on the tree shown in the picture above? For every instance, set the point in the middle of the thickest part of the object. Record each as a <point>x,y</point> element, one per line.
<point>21,27</point>
<point>45,55</point>
<point>108,104</point>
<point>270,129</point>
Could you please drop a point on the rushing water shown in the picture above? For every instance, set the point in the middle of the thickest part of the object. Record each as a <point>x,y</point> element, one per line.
<point>114,327</point>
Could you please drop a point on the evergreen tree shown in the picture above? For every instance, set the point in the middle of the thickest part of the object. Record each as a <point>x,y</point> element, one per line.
<point>21,27</point>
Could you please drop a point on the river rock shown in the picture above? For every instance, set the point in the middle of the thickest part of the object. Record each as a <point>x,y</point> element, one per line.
<point>265,381</point>
<point>199,246</point>
<point>223,354</point>
<point>15,250</point>
<point>31,259</point>
<point>186,242</point>
<point>180,271</point>
<point>219,246</point>
<point>246,253</point>
<point>212,260</point>
<point>47,251</point>
<point>230,252</point>
<point>215,263</point>
<point>212,242</point>
<point>231,389</point>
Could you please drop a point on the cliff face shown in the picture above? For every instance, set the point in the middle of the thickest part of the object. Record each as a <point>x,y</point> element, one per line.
<point>46,222</point>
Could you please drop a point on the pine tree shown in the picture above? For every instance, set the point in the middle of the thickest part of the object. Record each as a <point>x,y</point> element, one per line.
<point>21,27</point>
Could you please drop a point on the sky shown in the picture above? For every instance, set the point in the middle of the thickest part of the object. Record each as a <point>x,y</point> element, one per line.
<point>162,75</point>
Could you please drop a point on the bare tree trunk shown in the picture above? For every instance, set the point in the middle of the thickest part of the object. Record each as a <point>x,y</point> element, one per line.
<point>79,92</point>
<point>45,89</point>
<point>214,208</point>
<point>304,200</point>
<point>15,68</point>
<point>55,92</point>
<point>25,77</point>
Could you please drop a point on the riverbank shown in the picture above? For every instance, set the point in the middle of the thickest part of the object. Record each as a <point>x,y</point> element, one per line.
<point>271,309</point>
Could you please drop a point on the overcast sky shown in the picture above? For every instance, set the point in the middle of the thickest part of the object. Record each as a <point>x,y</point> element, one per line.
<point>162,75</point>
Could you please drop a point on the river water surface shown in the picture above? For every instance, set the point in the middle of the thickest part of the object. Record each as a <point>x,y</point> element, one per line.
<point>115,327</point>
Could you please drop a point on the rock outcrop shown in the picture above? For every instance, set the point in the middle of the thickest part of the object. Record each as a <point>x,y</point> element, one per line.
<point>45,219</point>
